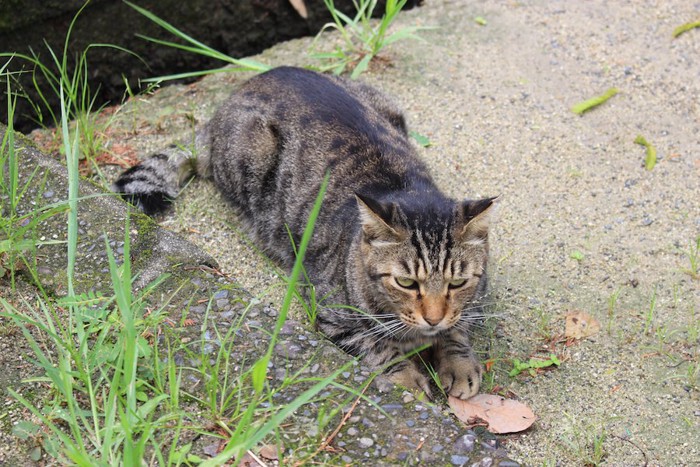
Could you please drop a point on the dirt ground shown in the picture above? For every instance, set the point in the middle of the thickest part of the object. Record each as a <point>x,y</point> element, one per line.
<point>583,225</point>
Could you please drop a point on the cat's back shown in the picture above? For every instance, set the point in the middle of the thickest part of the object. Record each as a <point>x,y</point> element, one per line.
<point>306,102</point>
<point>277,136</point>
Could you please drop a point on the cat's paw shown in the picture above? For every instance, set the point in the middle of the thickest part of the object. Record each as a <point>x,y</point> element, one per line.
<point>460,377</point>
<point>408,376</point>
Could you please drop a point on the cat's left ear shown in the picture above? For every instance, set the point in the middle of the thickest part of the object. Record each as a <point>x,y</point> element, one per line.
<point>477,216</point>
<point>376,220</point>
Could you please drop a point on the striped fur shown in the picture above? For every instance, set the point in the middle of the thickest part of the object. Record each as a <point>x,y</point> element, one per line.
<point>410,261</point>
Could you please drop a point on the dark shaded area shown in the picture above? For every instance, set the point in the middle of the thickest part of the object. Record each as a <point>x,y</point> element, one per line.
<point>235,27</point>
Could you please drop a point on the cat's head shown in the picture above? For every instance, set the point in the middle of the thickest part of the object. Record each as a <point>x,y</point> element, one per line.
<point>424,258</point>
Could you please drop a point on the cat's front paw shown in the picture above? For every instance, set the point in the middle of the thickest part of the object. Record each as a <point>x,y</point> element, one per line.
<point>404,374</point>
<point>460,376</point>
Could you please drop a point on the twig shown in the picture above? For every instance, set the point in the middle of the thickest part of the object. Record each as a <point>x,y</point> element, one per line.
<point>329,439</point>
<point>646,459</point>
<point>256,458</point>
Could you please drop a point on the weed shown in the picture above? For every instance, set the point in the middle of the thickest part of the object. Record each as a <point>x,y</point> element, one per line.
<point>362,40</point>
<point>693,375</point>
<point>577,255</point>
<point>586,441</point>
<point>194,47</point>
<point>16,227</point>
<point>544,321</point>
<point>612,303</point>
<point>649,317</point>
<point>117,399</point>
<point>95,370</point>
<point>73,89</point>
<point>432,372</point>
<point>693,330</point>
<point>694,258</point>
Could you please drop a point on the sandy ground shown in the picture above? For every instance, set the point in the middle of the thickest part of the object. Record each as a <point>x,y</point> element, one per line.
<point>581,220</point>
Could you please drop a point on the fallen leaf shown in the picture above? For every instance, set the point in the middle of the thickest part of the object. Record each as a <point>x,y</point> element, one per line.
<point>500,414</point>
<point>270,452</point>
<point>580,325</point>
<point>248,460</point>
<point>300,7</point>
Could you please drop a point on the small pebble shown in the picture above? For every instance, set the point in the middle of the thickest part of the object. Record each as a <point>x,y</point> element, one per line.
<point>459,460</point>
<point>220,294</point>
<point>464,443</point>
<point>366,442</point>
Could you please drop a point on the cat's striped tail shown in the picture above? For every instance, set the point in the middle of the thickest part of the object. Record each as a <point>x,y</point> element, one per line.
<point>155,182</point>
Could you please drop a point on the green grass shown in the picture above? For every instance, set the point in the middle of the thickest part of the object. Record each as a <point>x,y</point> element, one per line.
<point>585,106</point>
<point>612,304</point>
<point>693,254</point>
<point>17,242</point>
<point>67,78</point>
<point>362,38</point>
<point>649,316</point>
<point>585,441</point>
<point>197,47</point>
<point>117,398</point>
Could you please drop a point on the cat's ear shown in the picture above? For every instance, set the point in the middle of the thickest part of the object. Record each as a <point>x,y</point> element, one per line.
<point>376,219</point>
<point>476,218</point>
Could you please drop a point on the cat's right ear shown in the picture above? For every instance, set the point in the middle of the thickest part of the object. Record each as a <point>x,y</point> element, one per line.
<point>375,219</point>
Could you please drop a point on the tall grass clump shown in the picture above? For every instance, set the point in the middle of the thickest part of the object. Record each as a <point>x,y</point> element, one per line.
<point>67,77</point>
<point>362,38</point>
<point>197,47</point>
<point>17,226</point>
<point>116,397</point>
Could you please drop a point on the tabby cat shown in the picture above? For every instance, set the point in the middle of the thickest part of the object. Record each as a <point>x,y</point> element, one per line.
<point>409,260</point>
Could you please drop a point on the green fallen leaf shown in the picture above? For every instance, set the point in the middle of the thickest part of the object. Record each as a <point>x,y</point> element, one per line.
<point>533,364</point>
<point>587,105</point>
<point>420,139</point>
<point>25,429</point>
<point>480,21</point>
<point>685,28</point>
<point>650,160</point>
<point>35,454</point>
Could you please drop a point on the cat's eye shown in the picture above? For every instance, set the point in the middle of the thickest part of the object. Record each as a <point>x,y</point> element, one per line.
<point>457,283</point>
<point>406,283</point>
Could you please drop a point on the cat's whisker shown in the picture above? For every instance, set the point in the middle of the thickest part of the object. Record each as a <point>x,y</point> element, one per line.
<point>383,331</point>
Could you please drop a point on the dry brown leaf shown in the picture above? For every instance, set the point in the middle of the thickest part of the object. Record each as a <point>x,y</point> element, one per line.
<point>502,415</point>
<point>249,460</point>
<point>580,325</point>
<point>300,7</point>
<point>270,452</point>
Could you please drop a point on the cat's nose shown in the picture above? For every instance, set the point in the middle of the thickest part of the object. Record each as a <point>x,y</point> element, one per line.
<point>432,321</point>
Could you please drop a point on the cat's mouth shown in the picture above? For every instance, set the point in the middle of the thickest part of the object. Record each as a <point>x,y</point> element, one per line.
<point>432,331</point>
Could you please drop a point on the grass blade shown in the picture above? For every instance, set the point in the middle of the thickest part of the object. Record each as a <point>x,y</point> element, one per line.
<point>650,160</point>
<point>685,28</point>
<point>587,105</point>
